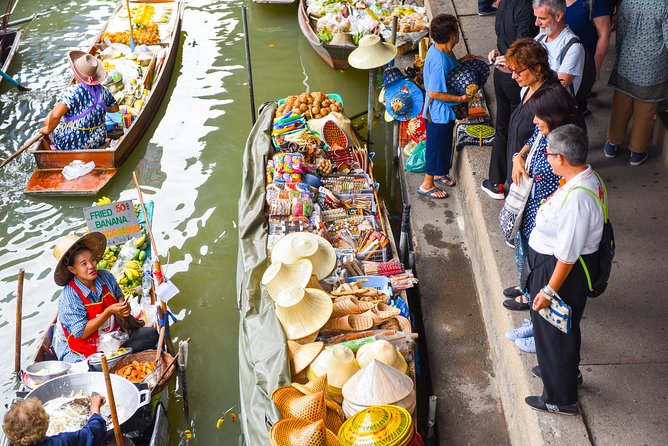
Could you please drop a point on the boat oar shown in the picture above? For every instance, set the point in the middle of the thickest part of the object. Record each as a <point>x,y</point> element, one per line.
<point>19,318</point>
<point>132,34</point>
<point>13,81</point>
<point>183,362</point>
<point>28,143</point>
<point>112,401</point>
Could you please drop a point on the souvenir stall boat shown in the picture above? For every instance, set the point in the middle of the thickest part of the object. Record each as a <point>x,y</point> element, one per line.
<point>334,28</point>
<point>157,32</point>
<point>317,277</point>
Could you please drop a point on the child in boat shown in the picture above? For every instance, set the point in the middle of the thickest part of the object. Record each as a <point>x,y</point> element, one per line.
<point>88,306</point>
<point>77,122</point>
<point>26,423</point>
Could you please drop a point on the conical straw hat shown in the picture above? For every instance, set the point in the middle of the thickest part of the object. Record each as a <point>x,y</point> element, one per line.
<point>300,432</point>
<point>377,383</point>
<point>291,403</point>
<point>408,403</point>
<point>371,52</point>
<point>378,426</point>
<point>337,362</point>
<point>96,242</point>
<point>305,245</point>
<point>301,311</point>
<point>384,352</point>
<point>302,355</point>
<point>279,276</point>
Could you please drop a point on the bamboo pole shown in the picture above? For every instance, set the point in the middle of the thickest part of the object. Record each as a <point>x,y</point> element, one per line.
<point>19,320</point>
<point>112,401</point>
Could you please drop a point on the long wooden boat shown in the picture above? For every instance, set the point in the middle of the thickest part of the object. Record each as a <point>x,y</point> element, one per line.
<point>336,56</point>
<point>263,365</point>
<point>11,39</point>
<point>47,178</point>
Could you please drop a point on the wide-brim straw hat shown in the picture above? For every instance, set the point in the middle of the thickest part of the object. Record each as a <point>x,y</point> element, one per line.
<point>371,52</point>
<point>302,311</point>
<point>87,69</point>
<point>305,245</point>
<point>382,425</point>
<point>377,383</point>
<point>337,362</point>
<point>406,93</point>
<point>301,355</point>
<point>279,276</point>
<point>300,432</point>
<point>384,352</point>
<point>291,403</point>
<point>95,241</point>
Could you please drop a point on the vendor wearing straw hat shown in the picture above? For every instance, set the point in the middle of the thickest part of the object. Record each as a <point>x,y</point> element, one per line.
<point>77,122</point>
<point>88,305</point>
<point>440,61</point>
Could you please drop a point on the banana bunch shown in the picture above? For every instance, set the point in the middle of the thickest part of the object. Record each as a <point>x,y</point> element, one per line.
<point>108,258</point>
<point>132,275</point>
<point>104,200</point>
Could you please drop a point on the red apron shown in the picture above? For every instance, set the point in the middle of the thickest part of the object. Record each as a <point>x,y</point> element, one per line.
<point>88,346</point>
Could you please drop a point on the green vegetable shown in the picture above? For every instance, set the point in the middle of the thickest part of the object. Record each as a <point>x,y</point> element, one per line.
<point>325,36</point>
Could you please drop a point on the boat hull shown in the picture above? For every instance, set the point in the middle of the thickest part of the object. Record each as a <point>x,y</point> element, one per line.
<point>12,40</point>
<point>107,160</point>
<point>336,56</point>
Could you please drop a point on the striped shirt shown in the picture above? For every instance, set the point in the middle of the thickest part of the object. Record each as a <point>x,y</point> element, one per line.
<point>72,312</point>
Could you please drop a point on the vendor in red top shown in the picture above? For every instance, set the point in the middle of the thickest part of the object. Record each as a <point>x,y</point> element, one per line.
<point>89,304</point>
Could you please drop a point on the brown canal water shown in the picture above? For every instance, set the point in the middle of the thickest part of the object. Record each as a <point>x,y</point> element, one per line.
<point>189,164</point>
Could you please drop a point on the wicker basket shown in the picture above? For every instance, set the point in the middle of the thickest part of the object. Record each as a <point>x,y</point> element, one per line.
<point>149,356</point>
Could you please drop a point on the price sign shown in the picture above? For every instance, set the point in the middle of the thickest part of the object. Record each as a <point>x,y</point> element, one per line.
<point>117,221</point>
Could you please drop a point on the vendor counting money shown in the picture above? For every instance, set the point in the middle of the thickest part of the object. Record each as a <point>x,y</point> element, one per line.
<point>89,305</point>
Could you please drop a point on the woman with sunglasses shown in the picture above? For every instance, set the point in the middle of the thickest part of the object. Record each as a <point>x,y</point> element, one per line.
<point>552,107</point>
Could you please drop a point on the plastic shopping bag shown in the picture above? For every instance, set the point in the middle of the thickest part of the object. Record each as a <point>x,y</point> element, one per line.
<point>416,162</point>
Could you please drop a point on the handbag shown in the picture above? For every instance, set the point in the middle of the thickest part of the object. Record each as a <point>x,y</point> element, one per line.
<point>558,313</point>
<point>510,217</point>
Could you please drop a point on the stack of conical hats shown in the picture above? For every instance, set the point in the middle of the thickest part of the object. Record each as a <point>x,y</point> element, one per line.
<point>376,384</point>
<point>382,425</point>
<point>339,364</point>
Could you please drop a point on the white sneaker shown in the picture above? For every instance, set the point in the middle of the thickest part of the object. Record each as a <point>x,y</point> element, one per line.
<point>527,345</point>
<point>523,331</point>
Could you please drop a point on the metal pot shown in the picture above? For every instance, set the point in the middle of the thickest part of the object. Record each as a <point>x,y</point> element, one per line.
<point>43,371</point>
<point>128,397</point>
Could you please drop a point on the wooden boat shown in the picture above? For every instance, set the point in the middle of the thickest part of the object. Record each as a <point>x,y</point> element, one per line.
<point>11,39</point>
<point>47,178</point>
<point>275,2</point>
<point>336,56</point>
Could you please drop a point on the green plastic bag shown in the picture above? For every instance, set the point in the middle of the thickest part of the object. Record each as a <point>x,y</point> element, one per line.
<point>416,162</point>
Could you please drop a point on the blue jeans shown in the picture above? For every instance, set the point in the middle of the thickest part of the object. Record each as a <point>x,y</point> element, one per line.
<point>438,153</point>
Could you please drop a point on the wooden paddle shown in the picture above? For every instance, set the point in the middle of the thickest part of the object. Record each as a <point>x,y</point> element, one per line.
<point>132,34</point>
<point>13,81</point>
<point>112,401</point>
<point>28,143</point>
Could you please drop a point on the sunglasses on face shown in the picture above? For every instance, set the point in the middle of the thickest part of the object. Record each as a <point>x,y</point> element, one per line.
<point>546,153</point>
<point>517,72</point>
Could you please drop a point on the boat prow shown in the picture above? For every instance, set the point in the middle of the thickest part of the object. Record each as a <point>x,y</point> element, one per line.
<point>52,182</point>
<point>336,56</point>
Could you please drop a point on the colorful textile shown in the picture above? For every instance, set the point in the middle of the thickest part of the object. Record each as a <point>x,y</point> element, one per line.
<point>88,131</point>
<point>470,71</point>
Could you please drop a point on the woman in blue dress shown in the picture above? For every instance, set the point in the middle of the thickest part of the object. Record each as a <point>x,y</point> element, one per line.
<point>77,122</point>
<point>438,112</point>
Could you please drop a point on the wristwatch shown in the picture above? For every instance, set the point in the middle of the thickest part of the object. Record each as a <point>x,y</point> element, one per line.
<point>520,154</point>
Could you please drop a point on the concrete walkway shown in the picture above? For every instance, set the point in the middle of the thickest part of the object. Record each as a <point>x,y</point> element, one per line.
<point>625,344</point>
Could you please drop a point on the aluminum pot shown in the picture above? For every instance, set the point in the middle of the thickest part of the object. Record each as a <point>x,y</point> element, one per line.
<point>128,397</point>
<point>43,371</point>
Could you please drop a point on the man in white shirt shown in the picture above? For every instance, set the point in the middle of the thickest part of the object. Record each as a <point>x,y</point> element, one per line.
<point>554,34</point>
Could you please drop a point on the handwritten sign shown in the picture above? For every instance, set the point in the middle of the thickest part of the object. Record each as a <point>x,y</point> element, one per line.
<point>117,221</point>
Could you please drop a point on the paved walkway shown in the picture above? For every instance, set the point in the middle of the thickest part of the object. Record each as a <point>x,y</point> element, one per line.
<point>625,344</point>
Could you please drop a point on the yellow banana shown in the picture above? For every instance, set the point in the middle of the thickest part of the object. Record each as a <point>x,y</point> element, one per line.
<point>140,241</point>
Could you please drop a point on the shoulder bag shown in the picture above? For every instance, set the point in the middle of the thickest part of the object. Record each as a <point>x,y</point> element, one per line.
<point>558,313</point>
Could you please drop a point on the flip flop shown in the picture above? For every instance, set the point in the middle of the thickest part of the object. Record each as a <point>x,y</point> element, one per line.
<point>432,193</point>
<point>445,181</point>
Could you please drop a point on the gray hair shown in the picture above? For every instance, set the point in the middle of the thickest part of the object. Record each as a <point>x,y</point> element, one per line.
<point>554,5</point>
<point>569,141</point>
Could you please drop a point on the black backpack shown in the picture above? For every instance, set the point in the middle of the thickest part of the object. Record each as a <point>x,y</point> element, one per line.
<point>588,71</point>
<point>606,248</point>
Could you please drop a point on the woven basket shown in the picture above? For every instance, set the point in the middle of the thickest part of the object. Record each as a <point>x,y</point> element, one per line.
<point>299,432</point>
<point>398,323</point>
<point>352,322</point>
<point>345,306</point>
<point>149,356</point>
<point>291,403</point>
<point>384,311</point>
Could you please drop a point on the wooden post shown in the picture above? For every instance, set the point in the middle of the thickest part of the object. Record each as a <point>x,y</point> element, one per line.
<point>111,401</point>
<point>19,320</point>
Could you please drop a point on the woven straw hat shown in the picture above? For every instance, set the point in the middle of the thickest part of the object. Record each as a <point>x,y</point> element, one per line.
<point>377,383</point>
<point>302,311</point>
<point>351,322</point>
<point>291,403</point>
<point>305,245</point>
<point>409,403</point>
<point>278,276</point>
<point>95,241</point>
<point>319,384</point>
<point>341,121</point>
<point>87,69</point>
<point>300,432</point>
<point>371,52</point>
<point>379,426</point>
<point>399,323</point>
<point>384,352</point>
<point>337,362</point>
<point>302,355</point>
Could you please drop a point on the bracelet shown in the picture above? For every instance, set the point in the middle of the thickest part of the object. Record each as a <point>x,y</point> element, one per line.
<point>523,155</point>
<point>549,292</point>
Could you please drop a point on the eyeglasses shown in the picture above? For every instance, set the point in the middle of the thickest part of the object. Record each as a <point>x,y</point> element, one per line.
<point>546,153</point>
<point>517,72</point>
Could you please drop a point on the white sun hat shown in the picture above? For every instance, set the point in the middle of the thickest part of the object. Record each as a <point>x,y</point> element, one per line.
<point>302,311</point>
<point>384,352</point>
<point>377,383</point>
<point>305,245</point>
<point>279,276</point>
<point>371,52</point>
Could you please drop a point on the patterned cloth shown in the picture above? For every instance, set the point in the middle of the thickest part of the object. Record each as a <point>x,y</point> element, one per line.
<point>88,131</point>
<point>72,312</point>
<point>641,68</point>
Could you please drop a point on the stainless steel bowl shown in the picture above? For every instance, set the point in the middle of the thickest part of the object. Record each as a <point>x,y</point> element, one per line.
<point>41,372</point>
